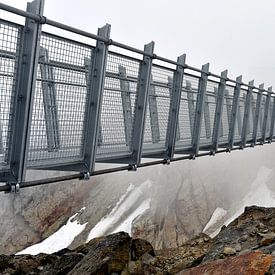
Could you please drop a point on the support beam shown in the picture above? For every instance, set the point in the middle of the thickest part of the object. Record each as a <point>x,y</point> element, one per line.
<point>88,67</point>
<point>235,107</point>
<point>154,119</point>
<point>266,113</point>
<point>49,101</point>
<point>141,103</point>
<point>97,77</point>
<point>216,101</point>
<point>207,122</point>
<point>247,109</point>
<point>271,132</point>
<point>219,111</point>
<point>191,106</point>
<point>126,105</point>
<point>257,114</point>
<point>25,93</point>
<point>199,110</point>
<point>173,121</point>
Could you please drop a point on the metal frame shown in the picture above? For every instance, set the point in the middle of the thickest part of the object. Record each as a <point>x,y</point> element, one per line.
<point>272,123</point>
<point>266,112</point>
<point>173,126</point>
<point>199,108</point>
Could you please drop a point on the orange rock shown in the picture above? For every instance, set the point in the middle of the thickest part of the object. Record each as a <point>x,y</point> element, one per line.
<point>253,263</point>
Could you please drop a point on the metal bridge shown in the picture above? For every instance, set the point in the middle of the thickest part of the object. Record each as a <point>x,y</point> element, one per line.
<point>66,105</point>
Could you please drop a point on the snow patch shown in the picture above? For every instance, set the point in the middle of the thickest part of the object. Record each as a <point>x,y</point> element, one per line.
<point>59,240</point>
<point>217,215</point>
<point>114,221</point>
<point>259,195</point>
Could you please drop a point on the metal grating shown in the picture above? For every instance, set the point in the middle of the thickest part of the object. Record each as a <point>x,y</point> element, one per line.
<point>10,41</point>
<point>61,88</point>
<point>118,89</point>
<point>158,109</point>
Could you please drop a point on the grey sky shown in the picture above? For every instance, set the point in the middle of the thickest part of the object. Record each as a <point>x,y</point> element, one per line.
<point>235,35</point>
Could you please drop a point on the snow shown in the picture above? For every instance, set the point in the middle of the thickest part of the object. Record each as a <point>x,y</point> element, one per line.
<point>259,195</point>
<point>113,222</point>
<point>59,240</point>
<point>218,214</point>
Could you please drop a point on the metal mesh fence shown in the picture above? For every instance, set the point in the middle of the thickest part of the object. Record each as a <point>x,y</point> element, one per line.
<point>60,101</point>
<point>118,106</point>
<point>158,108</point>
<point>10,41</point>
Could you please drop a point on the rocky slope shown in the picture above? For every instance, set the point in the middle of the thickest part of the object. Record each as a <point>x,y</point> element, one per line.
<point>246,246</point>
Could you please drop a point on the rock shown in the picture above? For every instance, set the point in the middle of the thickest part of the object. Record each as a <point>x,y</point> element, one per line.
<point>229,250</point>
<point>253,263</point>
<point>140,247</point>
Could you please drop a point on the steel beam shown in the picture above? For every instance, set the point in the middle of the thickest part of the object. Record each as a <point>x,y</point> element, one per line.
<point>219,111</point>
<point>25,94</point>
<point>49,101</point>
<point>235,107</point>
<point>191,106</point>
<point>199,110</point>
<point>271,132</point>
<point>257,114</point>
<point>141,103</point>
<point>247,109</point>
<point>266,113</point>
<point>170,84</point>
<point>173,120</point>
<point>216,100</point>
<point>207,121</point>
<point>97,77</point>
<point>126,105</point>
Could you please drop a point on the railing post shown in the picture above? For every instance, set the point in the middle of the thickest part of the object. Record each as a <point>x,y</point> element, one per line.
<point>207,122</point>
<point>246,113</point>
<point>173,125</point>
<point>219,110</point>
<point>96,87</point>
<point>257,114</point>
<point>191,106</point>
<point>126,104</point>
<point>266,109</point>
<point>272,120</point>
<point>235,107</point>
<point>25,93</point>
<point>199,109</point>
<point>153,109</point>
<point>141,103</point>
<point>49,100</point>
<point>216,100</point>
<point>170,84</point>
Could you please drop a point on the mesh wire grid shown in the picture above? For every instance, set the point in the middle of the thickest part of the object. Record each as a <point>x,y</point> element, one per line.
<point>60,102</point>
<point>10,41</point>
<point>187,111</point>
<point>158,108</point>
<point>118,106</point>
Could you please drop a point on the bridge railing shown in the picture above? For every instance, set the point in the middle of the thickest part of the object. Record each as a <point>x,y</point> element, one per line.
<point>65,105</point>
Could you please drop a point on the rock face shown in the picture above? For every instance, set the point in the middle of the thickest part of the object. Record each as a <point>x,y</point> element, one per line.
<point>238,249</point>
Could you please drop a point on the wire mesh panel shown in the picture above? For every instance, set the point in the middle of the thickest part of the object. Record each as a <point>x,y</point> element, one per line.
<point>268,122</point>
<point>187,111</point>
<point>158,109</point>
<point>60,102</point>
<point>10,41</point>
<point>116,129</point>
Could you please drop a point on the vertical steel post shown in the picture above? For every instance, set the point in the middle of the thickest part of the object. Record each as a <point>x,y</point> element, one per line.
<point>141,103</point>
<point>97,77</point>
<point>207,121</point>
<point>153,109</point>
<point>88,67</point>
<point>266,113</point>
<point>199,109</point>
<point>216,93</point>
<point>246,113</point>
<point>235,107</point>
<point>126,104</point>
<point>219,111</point>
<point>173,119</point>
<point>49,100</point>
<point>191,106</point>
<point>271,134</point>
<point>257,114</point>
<point>170,84</point>
<point>25,93</point>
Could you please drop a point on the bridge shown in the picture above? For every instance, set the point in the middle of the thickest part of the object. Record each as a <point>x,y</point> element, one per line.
<point>67,105</point>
